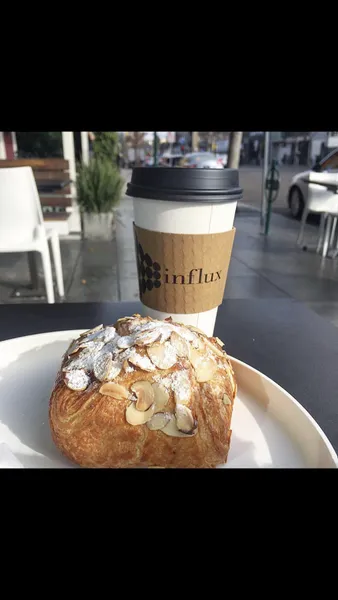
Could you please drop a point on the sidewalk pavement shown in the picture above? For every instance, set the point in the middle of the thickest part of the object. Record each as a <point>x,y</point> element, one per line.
<point>260,267</point>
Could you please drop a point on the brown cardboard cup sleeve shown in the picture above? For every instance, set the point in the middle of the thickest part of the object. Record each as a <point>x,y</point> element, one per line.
<point>182,273</point>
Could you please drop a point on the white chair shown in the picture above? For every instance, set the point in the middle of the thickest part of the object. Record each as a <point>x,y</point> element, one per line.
<point>324,201</point>
<point>22,227</point>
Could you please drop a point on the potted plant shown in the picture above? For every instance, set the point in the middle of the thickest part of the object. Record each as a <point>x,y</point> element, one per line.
<point>99,185</point>
<point>106,144</point>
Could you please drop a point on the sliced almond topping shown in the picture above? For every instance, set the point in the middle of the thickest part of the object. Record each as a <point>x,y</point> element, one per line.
<point>145,394</point>
<point>184,419</point>
<point>181,386</point>
<point>226,399</point>
<point>146,338</point>
<point>116,351</point>
<point>114,370</point>
<point>184,332</point>
<point>137,417</point>
<point>78,346</point>
<point>79,361</point>
<point>165,333</point>
<point>172,430</point>
<point>130,319</point>
<point>199,344</point>
<point>123,319</point>
<point>102,365</point>
<point>95,334</point>
<point>93,345</point>
<point>219,342</point>
<point>205,370</point>
<point>74,347</point>
<point>181,346</point>
<point>159,420</point>
<point>140,361</point>
<point>90,331</point>
<point>195,357</point>
<point>214,348</point>
<point>77,380</point>
<point>136,322</point>
<point>162,355</point>
<point>114,390</point>
<point>161,396</point>
<point>196,329</point>
<point>109,334</point>
<point>125,341</point>
<point>126,325</point>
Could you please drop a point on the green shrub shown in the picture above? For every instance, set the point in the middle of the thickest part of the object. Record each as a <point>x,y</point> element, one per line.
<point>105,144</point>
<point>99,185</point>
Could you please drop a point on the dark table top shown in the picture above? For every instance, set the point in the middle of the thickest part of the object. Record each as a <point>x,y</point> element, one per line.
<point>281,338</point>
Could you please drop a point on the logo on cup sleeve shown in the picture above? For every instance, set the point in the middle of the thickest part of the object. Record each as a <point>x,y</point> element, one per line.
<point>180,273</point>
<point>149,271</point>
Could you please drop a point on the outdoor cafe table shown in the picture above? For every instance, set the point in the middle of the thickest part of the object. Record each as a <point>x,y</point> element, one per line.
<point>280,337</point>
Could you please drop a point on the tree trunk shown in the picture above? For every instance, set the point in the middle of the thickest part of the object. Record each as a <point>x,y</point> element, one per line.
<point>234,153</point>
<point>194,141</point>
<point>210,141</point>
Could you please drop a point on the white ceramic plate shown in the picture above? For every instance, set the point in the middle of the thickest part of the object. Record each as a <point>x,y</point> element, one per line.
<point>270,428</point>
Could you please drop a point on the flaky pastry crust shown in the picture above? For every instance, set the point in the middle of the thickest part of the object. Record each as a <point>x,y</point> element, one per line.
<point>91,428</point>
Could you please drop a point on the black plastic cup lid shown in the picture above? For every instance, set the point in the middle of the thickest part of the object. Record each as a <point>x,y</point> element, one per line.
<point>182,184</point>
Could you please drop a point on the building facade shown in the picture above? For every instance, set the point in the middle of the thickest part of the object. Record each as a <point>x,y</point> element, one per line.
<point>301,148</point>
<point>292,147</point>
<point>253,147</point>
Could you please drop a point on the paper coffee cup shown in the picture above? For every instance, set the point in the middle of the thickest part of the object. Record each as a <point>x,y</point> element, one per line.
<point>183,226</point>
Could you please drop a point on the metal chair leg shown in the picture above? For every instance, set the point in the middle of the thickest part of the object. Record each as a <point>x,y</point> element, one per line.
<point>57,263</point>
<point>327,235</point>
<point>321,232</point>
<point>302,227</point>
<point>47,271</point>
<point>334,252</point>
<point>33,270</point>
<point>333,231</point>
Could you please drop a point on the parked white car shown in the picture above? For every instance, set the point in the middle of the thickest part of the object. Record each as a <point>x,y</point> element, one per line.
<point>201,160</point>
<point>171,159</point>
<point>298,189</point>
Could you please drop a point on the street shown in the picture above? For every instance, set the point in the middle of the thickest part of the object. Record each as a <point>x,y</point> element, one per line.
<point>250,178</point>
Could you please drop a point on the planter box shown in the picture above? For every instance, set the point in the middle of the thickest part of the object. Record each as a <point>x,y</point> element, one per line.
<point>98,226</point>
